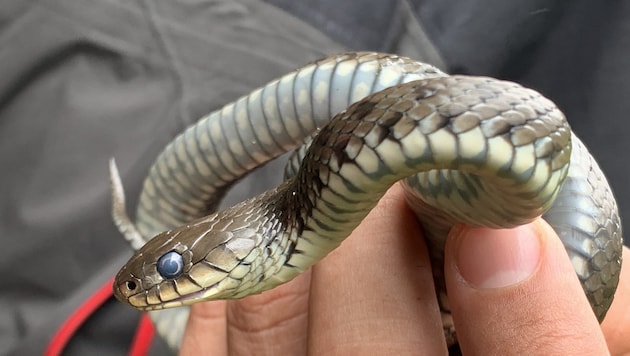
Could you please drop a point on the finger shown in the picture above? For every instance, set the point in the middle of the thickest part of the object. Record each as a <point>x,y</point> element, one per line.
<point>271,323</point>
<point>616,326</point>
<point>515,290</point>
<point>368,295</point>
<point>206,331</point>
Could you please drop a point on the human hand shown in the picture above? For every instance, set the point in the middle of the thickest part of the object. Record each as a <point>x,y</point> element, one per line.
<point>375,295</point>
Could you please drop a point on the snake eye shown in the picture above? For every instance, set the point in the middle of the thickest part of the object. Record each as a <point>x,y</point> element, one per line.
<point>170,265</point>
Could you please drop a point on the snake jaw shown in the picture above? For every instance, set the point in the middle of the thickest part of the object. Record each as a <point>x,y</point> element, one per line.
<point>139,301</point>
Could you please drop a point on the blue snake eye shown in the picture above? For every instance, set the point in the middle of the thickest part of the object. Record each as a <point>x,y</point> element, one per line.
<point>170,265</point>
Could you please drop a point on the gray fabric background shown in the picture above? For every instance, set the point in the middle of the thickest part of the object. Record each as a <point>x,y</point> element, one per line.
<point>83,81</point>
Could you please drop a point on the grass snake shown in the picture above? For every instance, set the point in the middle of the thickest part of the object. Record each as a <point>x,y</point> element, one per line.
<point>471,150</point>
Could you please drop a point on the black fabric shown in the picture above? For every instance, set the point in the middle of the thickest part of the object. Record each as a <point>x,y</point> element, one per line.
<point>83,81</point>
<point>359,25</point>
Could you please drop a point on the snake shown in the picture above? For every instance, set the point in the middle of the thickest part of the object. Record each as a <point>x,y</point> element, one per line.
<point>467,150</point>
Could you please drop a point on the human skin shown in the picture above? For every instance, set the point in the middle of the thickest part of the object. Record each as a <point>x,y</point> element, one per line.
<point>375,295</point>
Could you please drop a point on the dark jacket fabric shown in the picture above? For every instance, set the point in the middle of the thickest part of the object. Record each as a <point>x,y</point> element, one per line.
<point>83,81</point>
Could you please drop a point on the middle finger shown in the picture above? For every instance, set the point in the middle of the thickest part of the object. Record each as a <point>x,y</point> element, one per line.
<point>375,294</point>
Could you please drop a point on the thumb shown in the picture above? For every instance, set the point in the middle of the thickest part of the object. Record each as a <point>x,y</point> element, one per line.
<point>515,290</point>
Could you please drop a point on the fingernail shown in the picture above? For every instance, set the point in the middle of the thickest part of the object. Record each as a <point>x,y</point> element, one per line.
<point>490,258</point>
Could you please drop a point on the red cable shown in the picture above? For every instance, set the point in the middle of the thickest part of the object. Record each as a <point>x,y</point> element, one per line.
<point>77,318</point>
<point>141,341</point>
<point>143,337</point>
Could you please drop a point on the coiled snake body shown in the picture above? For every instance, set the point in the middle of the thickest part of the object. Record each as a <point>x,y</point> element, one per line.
<point>469,150</point>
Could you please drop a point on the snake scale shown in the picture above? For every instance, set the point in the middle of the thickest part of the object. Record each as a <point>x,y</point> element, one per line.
<point>471,150</point>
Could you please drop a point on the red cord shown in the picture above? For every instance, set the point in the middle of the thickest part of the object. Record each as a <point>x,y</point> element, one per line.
<point>76,319</point>
<point>141,341</point>
<point>143,337</point>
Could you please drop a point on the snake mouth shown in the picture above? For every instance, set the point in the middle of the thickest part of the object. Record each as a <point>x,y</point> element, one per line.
<point>148,300</point>
<point>224,289</point>
<point>181,301</point>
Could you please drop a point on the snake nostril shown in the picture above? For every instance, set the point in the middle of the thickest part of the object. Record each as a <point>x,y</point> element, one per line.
<point>131,285</point>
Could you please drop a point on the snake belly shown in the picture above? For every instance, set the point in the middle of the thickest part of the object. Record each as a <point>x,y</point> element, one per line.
<point>470,150</point>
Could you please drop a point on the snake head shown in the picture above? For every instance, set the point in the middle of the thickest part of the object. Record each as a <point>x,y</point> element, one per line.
<point>204,260</point>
